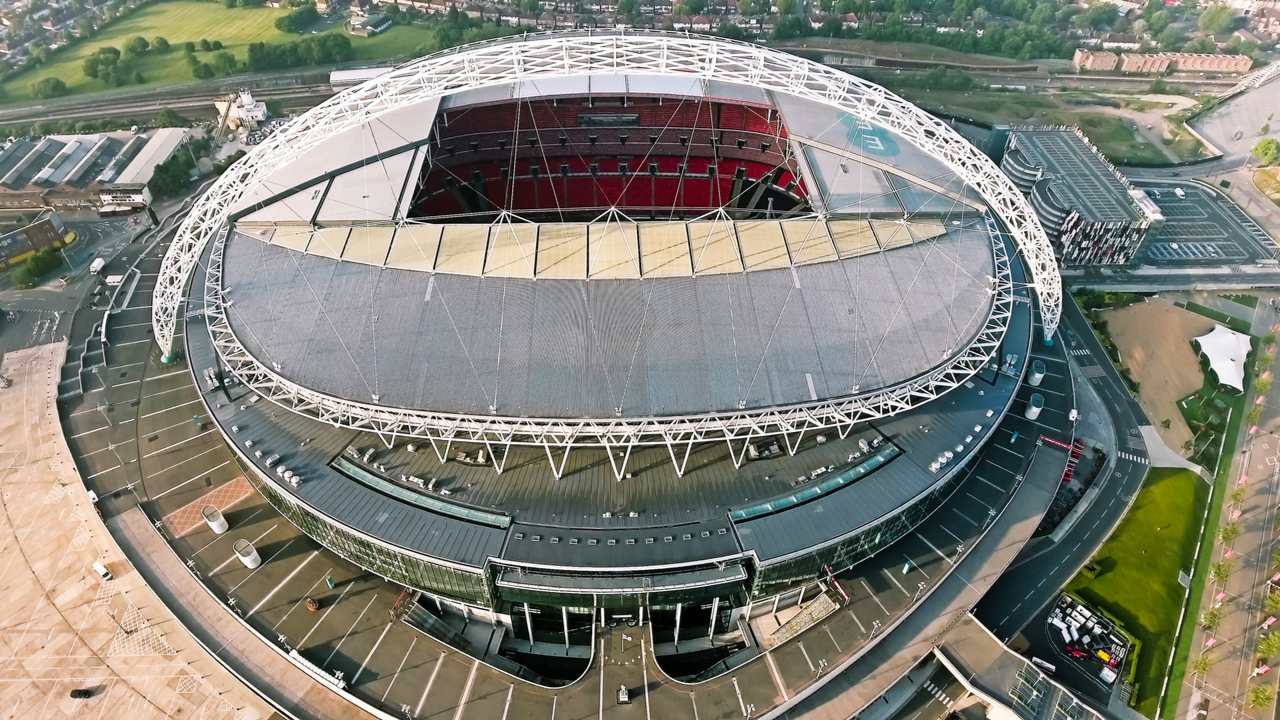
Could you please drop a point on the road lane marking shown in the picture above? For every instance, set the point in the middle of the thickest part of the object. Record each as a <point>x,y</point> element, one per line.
<point>282,583</point>
<point>372,650</point>
<point>353,627</point>
<point>931,547</point>
<point>430,681</point>
<point>197,477</point>
<point>777,678</point>
<point>397,673</point>
<point>466,690</point>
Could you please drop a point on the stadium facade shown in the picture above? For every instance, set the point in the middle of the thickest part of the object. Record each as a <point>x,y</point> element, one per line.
<point>649,323</point>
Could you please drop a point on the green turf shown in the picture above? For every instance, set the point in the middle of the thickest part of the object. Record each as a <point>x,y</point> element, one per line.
<point>1138,582</point>
<point>177,22</point>
<point>1249,301</point>
<point>1221,483</point>
<point>1235,323</point>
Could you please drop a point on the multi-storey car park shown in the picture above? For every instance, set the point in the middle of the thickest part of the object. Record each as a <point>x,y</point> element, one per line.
<point>1093,215</point>
<point>641,327</point>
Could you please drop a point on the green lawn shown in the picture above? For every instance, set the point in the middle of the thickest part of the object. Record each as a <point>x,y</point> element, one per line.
<point>1138,582</point>
<point>401,41</point>
<point>1235,323</point>
<point>1113,136</point>
<point>177,22</point>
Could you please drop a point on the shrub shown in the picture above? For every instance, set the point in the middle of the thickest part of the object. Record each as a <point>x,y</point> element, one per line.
<point>50,87</point>
<point>1221,570</point>
<point>1261,696</point>
<point>1211,618</point>
<point>1230,532</point>
<point>202,71</point>
<point>1201,664</point>
<point>1272,603</point>
<point>160,45</point>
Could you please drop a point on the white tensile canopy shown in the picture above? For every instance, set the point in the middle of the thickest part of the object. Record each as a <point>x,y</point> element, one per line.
<point>1226,350</point>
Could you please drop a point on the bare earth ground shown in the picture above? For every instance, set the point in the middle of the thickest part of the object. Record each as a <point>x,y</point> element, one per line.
<point>1155,341</point>
<point>61,626</point>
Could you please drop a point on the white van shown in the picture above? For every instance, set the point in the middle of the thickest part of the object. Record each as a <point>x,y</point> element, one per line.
<point>102,570</point>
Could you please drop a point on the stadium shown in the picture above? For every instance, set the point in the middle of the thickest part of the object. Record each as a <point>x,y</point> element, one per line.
<point>649,325</point>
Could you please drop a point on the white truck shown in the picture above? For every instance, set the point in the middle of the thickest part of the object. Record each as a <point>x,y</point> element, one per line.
<point>96,266</point>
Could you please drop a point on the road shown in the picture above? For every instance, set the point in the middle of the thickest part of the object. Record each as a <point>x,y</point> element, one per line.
<point>1035,580</point>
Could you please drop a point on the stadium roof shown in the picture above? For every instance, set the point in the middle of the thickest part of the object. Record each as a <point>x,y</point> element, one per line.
<point>606,348</point>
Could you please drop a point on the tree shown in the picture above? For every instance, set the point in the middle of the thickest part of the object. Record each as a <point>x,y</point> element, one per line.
<point>1169,38</point>
<point>748,7</point>
<point>205,46</point>
<point>50,87</point>
<point>138,79</point>
<point>1211,618</point>
<point>786,7</point>
<point>224,63</point>
<point>1272,603</point>
<point>1221,570</point>
<point>299,19</point>
<point>188,47</point>
<point>628,7</point>
<point>1237,496</point>
<point>1158,22</point>
<point>1230,532</point>
<point>1267,151</point>
<point>1199,45</point>
<point>160,45</point>
<point>202,71</point>
<point>137,45</point>
<point>1261,696</point>
<point>1254,414</point>
<point>1201,664</point>
<point>1042,15</point>
<point>216,45</point>
<point>730,31</point>
<point>1217,20</point>
<point>168,118</point>
<point>1263,386</point>
<point>37,266</point>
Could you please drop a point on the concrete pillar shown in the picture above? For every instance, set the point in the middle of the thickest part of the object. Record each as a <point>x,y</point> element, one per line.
<point>715,609</point>
<point>564,615</point>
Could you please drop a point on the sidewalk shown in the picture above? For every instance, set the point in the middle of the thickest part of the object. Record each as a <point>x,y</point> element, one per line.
<point>255,661</point>
<point>66,628</point>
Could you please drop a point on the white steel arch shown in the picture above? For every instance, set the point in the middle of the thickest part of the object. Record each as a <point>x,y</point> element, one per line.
<point>568,54</point>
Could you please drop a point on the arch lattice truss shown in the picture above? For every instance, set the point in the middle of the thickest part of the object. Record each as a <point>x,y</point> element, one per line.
<point>569,54</point>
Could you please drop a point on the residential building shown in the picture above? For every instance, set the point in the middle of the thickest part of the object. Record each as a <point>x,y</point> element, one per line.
<point>1094,61</point>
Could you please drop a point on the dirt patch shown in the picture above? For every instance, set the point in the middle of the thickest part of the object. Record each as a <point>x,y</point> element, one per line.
<point>1154,339</point>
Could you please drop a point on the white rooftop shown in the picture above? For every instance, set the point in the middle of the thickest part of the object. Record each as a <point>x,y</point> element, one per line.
<point>1226,350</point>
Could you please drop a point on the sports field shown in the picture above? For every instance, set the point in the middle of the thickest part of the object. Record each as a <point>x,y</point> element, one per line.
<point>1138,583</point>
<point>177,22</point>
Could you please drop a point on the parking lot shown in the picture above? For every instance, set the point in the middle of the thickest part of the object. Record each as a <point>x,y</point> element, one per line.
<point>1202,228</point>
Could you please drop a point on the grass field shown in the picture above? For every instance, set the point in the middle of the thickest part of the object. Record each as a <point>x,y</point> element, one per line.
<point>1110,133</point>
<point>1138,582</point>
<point>1235,323</point>
<point>177,22</point>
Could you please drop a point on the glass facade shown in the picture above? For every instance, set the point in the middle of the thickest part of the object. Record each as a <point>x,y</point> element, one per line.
<point>400,567</point>
<point>787,573</point>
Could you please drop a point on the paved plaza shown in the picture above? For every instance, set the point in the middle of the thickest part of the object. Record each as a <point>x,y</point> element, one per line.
<point>64,627</point>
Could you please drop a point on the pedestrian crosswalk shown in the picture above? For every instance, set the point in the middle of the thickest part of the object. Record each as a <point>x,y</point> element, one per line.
<point>1080,353</point>
<point>1132,458</point>
<point>933,690</point>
